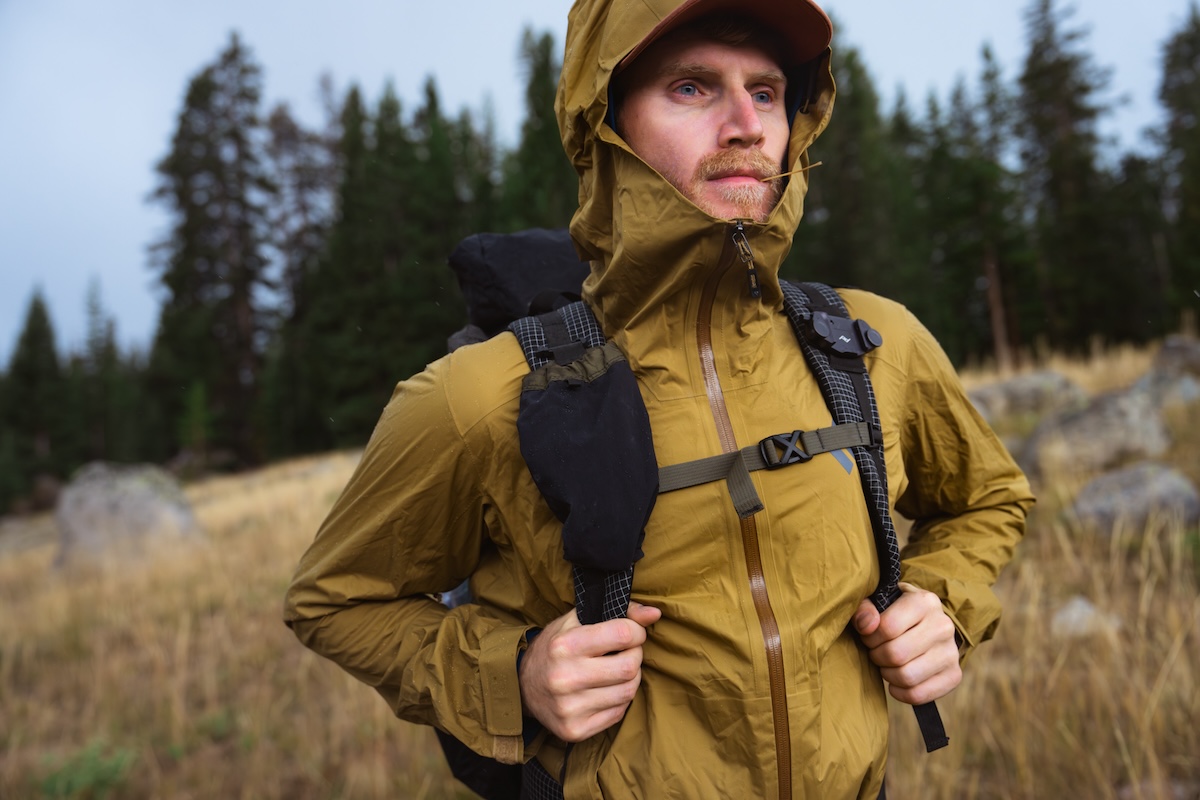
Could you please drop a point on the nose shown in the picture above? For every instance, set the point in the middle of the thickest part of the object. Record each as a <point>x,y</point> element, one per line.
<point>742,125</point>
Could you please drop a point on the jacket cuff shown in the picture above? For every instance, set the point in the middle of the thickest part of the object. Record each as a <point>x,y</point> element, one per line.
<point>502,692</point>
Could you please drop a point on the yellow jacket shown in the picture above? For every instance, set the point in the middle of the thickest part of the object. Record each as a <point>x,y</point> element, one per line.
<point>753,684</point>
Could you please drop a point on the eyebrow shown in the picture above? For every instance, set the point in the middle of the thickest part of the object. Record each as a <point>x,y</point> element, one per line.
<point>700,70</point>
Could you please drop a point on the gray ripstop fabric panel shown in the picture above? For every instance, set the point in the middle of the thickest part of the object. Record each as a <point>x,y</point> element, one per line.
<point>538,784</point>
<point>581,325</point>
<point>842,399</point>
<point>617,587</point>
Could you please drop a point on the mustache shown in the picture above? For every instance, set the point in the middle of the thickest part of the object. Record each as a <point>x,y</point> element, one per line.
<point>751,162</point>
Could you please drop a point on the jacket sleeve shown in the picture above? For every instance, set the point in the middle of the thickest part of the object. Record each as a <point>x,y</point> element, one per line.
<point>965,494</point>
<point>409,525</point>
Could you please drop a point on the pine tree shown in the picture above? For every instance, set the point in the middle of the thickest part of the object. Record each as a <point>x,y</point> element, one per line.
<point>846,237</point>
<point>1008,265</point>
<point>317,368</point>
<point>212,266</point>
<point>541,188</point>
<point>303,167</point>
<point>1070,195</point>
<point>1179,92</point>
<point>1139,230</point>
<point>35,402</point>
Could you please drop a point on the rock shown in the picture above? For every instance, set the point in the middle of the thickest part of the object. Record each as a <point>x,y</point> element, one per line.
<point>1179,355</point>
<point>1174,379</point>
<point>1110,430</point>
<point>1171,790</point>
<point>119,510</point>
<point>1135,496</point>
<point>1031,393</point>
<point>1169,389</point>
<point>1079,618</point>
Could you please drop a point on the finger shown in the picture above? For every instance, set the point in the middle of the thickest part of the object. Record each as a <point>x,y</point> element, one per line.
<point>643,615</point>
<point>587,713</point>
<point>914,671</point>
<point>603,638</point>
<point>934,633</point>
<point>866,618</point>
<point>936,685</point>
<point>913,606</point>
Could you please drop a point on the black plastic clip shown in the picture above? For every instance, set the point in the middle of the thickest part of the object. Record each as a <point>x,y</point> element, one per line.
<point>876,436</point>
<point>842,336</point>
<point>783,449</point>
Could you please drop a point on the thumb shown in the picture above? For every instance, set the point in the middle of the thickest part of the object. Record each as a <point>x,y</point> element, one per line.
<point>643,615</point>
<point>866,618</point>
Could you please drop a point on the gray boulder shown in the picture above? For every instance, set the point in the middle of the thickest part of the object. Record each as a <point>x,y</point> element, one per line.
<point>120,511</point>
<point>1179,355</point>
<point>1174,378</point>
<point>1079,618</point>
<point>1110,430</point>
<point>1032,393</point>
<point>1136,497</point>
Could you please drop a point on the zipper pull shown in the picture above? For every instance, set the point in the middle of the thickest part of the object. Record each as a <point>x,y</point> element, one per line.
<point>747,256</point>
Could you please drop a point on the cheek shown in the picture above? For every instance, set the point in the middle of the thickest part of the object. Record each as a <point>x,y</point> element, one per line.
<point>671,153</point>
<point>778,132</point>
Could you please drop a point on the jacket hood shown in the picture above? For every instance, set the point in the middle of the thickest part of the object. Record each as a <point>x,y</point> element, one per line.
<point>645,240</point>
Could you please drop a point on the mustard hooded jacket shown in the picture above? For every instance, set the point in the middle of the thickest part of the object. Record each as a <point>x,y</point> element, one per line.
<point>753,684</point>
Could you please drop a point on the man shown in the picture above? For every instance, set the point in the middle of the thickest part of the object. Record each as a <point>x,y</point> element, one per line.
<point>749,664</point>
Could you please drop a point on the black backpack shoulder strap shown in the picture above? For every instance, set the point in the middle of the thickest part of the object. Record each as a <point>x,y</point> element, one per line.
<point>570,338</point>
<point>846,387</point>
<point>834,346</point>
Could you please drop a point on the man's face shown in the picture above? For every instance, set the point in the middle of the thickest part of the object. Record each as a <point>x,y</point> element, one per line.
<point>711,118</point>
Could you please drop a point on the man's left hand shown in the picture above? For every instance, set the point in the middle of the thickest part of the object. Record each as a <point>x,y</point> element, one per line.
<point>913,645</point>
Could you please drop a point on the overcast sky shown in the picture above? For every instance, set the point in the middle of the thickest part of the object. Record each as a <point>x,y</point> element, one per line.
<point>89,93</point>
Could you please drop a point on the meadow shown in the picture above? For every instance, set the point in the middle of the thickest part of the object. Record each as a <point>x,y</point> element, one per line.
<point>175,678</point>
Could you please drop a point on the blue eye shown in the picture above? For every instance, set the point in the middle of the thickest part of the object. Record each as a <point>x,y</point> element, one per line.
<point>762,97</point>
<point>688,89</point>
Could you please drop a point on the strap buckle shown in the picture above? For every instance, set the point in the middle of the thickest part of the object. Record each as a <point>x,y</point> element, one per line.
<point>783,449</point>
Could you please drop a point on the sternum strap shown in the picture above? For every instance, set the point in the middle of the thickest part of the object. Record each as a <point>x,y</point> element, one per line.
<point>773,452</point>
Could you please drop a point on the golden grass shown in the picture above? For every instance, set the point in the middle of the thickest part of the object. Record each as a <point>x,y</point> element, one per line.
<point>1108,368</point>
<point>175,678</point>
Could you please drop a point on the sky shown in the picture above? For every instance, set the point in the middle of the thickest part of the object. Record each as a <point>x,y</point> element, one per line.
<point>90,91</point>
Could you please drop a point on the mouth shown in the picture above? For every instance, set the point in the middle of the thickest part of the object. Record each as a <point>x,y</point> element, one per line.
<point>739,177</point>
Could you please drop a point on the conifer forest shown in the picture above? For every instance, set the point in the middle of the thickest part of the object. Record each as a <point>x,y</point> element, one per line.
<point>304,271</point>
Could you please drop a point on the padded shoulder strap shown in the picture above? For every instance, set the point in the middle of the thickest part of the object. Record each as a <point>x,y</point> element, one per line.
<point>602,493</point>
<point>846,387</point>
<point>834,346</point>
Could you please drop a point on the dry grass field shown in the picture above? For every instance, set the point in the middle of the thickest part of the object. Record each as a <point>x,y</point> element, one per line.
<point>175,678</point>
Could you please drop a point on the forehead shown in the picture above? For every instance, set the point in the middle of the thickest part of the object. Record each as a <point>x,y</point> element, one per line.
<point>696,50</point>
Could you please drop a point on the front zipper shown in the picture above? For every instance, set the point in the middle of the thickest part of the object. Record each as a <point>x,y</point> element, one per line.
<point>772,641</point>
<point>742,244</point>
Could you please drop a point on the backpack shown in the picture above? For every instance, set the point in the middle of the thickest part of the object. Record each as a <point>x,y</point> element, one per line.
<point>580,397</point>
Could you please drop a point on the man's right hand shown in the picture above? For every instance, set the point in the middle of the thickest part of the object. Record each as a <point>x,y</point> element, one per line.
<point>577,680</point>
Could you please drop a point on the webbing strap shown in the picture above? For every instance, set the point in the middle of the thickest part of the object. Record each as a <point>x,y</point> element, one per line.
<point>932,729</point>
<point>718,467</point>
